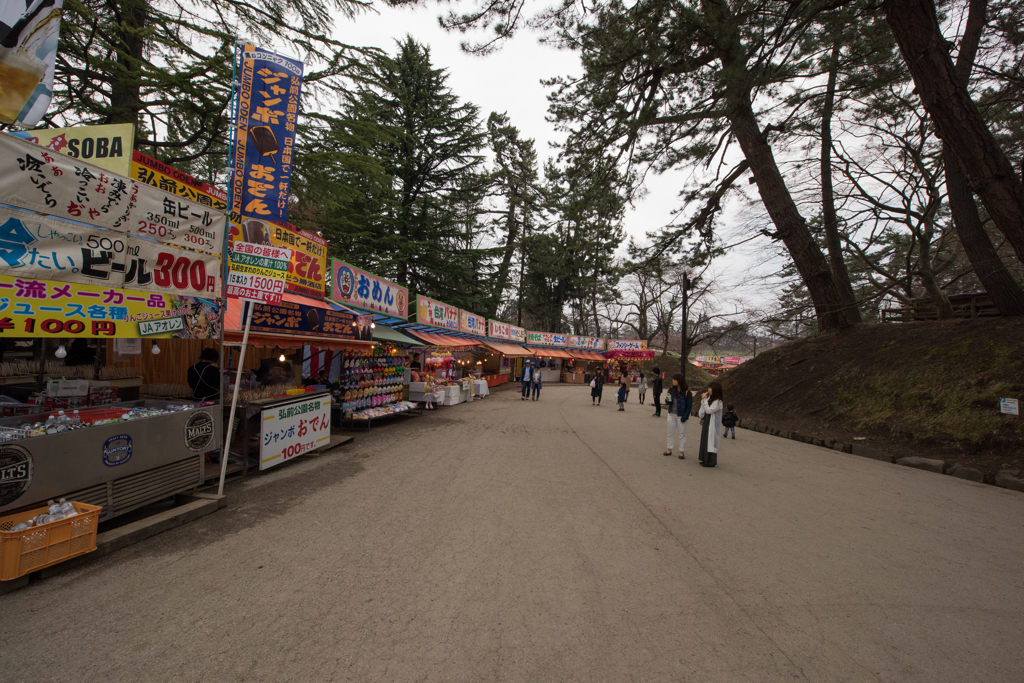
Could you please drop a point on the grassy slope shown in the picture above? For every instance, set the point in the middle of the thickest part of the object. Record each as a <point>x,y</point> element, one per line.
<point>917,387</point>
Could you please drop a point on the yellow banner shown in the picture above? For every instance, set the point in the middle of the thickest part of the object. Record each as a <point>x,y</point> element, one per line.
<point>108,146</point>
<point>44,308</point>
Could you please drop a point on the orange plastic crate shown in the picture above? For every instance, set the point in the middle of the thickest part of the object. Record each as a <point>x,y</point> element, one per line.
<point>38,547</point>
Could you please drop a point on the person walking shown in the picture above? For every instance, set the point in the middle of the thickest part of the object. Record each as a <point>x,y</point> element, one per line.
<point>625,378</point>
<point>711,407</point>
<point>527,379</point>
<point>729,420</point>
<point>597,387</point>
<point>536,385</point>
<point>623,390</point>
<point>656,390</point>
<point>680,405</point>
<point>641,388</point>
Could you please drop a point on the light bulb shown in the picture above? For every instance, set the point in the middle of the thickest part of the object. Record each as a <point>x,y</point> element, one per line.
<point>155,349</point>
<point>61,352</point>
<point>281,358</point>
<point>373,326</point>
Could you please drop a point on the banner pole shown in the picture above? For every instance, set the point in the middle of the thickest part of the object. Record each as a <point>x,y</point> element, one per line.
<point>234,401</point>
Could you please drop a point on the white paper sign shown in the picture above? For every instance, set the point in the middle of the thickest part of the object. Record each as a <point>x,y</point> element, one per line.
<point>291,430</point>
<point>38,179</point>
<point>1008,406</point>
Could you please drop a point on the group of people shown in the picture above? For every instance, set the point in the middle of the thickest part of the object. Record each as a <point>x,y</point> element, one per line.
<point>531,382</point>
<point>717,419</point>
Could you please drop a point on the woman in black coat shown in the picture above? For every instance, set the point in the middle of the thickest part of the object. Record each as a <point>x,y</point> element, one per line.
<point>598,388</point>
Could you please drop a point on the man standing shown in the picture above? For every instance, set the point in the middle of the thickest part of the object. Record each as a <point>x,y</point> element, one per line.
<point>656,387</point>
<point>527,379</point>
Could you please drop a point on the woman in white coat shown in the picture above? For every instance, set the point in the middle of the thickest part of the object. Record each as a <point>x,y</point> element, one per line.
<point>711,408</point>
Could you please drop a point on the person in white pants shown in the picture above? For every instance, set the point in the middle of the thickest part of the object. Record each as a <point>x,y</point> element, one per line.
<point>680,405</point>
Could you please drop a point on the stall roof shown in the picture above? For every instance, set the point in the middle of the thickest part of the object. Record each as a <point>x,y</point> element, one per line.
<point>587,355</point>
<point>550,353</point>
<point>510,350</point>
<point>233,331</point>
<point>435,339</point>
<point>385,333</point>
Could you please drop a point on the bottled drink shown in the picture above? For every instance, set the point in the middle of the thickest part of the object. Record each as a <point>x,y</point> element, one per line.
<point>68,509</point>
<point>76,419</point>
<point>24,525</point>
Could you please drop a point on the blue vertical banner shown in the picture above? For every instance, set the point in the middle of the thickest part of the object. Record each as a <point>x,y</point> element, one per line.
<point>267,108</point>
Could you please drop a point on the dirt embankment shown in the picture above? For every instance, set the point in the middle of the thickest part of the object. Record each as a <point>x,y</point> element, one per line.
<point>929,389</point>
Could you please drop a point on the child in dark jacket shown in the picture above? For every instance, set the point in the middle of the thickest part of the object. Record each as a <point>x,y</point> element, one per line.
<point>623,390</point>
<point>729,420</point>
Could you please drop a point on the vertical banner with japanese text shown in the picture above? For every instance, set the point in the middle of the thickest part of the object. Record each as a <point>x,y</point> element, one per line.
<point>268,105</point>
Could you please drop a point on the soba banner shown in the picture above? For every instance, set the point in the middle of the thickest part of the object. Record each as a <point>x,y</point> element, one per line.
<point>44,308</point>
<point>546,338</point>
<point>28,50</point>
<point>436,313</point>
<point>41,247</point>
<point>357,288</point>
<point>35,178</point>
<point>267,109</point>
<point>108,146</point>
<point>588,343</point>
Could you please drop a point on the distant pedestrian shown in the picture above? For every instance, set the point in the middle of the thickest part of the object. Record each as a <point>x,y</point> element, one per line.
<point>597,388</point>
<point>641,388</point>
<point>527,380</point>
<point>680,405</point>
<point>629,387</point>
<point>623,390</point>
<point>729,420</point>
<point>711,404</point>
<point>656,390</point>
<point>536,385</point>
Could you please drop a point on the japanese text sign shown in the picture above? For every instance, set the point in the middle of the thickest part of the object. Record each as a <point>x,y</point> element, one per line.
<point>308,267</point>
<point>302,321</point>
<point>257,272</point>
<point>293,429</point>
<point>518,334</point>
<point>44,308</point>
<point>34,178</point>
<point>34,246</point>
<point>499,330</point>
<point>357,288</point>
<point>436,313</point>
<point>145,169</point>
<point>108,146</point>
<point>589,343</point>
<point>546,338</point>
<point>627,345</point>
<point>472,324</point>
<point>268,106</point>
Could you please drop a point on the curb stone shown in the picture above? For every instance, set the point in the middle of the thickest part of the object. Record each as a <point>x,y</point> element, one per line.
<point>1006,480</point>
<point>928,464</point>
<point>968,473</point>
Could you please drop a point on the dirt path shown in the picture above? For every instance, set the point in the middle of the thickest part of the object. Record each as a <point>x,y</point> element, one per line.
<point>550,541</point>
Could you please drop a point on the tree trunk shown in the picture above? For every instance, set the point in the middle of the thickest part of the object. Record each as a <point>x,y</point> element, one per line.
<point>126,88</point>
<point>830,218</point>
<point>829,306</point>
<point>501,279</point>
<point>1006,294</point>
<point>957,120</point>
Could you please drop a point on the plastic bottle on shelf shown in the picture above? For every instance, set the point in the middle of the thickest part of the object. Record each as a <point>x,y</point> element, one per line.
<point>76,419</point>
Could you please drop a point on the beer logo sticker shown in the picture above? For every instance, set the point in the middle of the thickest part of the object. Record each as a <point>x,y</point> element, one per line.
<point>15,473</point>
<point>199,431</point>
<point>117,450</point>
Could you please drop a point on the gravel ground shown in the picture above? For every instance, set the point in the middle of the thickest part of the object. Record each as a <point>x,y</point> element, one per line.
<point>551,541</point>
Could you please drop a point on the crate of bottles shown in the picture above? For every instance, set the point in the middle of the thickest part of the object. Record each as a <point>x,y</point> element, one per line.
<point>42,537</point>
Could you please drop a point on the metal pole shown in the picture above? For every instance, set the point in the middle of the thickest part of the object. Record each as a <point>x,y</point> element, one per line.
<point>234,401</point>
<point>683,360</point>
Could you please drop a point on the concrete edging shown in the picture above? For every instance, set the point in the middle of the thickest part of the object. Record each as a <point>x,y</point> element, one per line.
<point>1007,479</point>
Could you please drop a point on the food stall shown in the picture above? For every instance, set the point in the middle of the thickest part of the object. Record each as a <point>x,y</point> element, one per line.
<point>450,358</point>
<point>97,263</point>
<point>549,354</point>
<point>587,358</point>
<point>627,356</point>
<point>503,348</point>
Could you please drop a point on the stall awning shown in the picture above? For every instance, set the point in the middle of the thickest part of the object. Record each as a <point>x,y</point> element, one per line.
<point>385,333</point>
<point>630,355</point>
<point>435,339</point>
<point>510,350</point>
<point>587,355</point>
<point>550,353</point>
<point>234,329</point>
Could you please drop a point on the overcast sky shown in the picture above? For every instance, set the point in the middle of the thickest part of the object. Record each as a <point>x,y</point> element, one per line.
<point>510,81</point>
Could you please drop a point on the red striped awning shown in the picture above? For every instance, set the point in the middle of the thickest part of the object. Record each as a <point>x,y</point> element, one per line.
<point>587,355</point>
<point>543,352</point>
<point>435,339</point>
<point>510,350</point>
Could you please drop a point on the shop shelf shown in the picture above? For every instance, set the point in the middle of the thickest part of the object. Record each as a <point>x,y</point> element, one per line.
<point>38,547</point>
